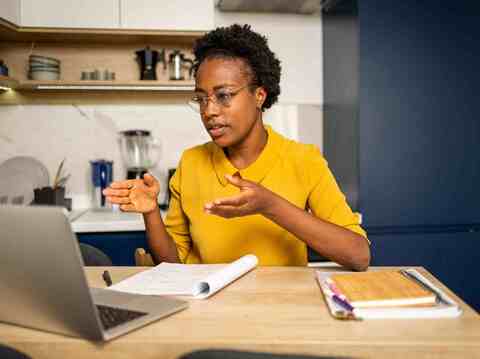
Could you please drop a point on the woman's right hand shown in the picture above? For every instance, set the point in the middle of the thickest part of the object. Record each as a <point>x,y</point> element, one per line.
<point>138,195</point>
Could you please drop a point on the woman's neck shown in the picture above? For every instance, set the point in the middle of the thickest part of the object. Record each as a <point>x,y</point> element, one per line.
<point>245,153</point>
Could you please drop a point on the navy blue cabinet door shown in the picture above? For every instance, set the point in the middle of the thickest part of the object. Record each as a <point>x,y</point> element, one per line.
<point>451,257</point>
<point>119,246</point>
<point>419,129</point>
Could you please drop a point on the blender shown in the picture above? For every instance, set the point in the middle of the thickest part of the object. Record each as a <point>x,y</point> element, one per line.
<point>139,150</point>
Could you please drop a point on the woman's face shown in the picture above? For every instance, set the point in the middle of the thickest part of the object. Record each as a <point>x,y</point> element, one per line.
<point>232,110</point>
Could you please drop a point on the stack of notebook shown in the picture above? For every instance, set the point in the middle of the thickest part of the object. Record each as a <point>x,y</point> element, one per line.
<point>384,294</point>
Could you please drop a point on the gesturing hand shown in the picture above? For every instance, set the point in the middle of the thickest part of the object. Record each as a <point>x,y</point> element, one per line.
<point>134,195</point>
<point>252,199</point>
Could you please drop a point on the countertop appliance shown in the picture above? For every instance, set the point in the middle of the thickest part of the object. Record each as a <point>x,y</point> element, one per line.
<point>140,151</point>
<point>178,64</point>
<point>148,60</point>
<point>102,176</point>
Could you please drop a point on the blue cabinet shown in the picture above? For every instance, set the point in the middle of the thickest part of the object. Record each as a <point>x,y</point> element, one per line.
<point>451,257</point>
<point>401,130</point>
<point>119,246</point>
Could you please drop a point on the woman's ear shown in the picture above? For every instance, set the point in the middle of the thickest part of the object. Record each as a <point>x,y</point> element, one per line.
<point>260,97</point>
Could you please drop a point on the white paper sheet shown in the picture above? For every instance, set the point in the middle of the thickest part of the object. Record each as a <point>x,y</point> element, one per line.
<point>197,280</point>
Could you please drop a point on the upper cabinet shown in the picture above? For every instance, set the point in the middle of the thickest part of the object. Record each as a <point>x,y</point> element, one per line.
<point>92,36</point>
<point>10,11</point>
<point>166,15</point>
<point>102,14</point>
<point>187,15</point>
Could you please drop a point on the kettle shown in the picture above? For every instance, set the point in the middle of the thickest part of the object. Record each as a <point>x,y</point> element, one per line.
<point>177,64</point>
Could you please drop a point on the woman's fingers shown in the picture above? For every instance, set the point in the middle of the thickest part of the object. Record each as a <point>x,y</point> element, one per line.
<point>225,211</point>
<point>118,200</point>
<point>123,184</point>
<point>128,208</point>
<point>238,200</point>
<point>116,192</point>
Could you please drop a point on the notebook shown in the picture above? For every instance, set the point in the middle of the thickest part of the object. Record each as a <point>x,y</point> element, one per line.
<point>197,280</point>
<point>412,306</point>
<point>381,289</point>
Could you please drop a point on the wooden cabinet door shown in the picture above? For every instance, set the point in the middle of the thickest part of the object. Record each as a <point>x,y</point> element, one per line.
<point>188,15</point>
<point>10,11</point>
<point>70,13</point>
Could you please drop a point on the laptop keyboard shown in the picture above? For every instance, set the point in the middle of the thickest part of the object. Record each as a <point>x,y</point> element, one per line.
<point>111,317</point>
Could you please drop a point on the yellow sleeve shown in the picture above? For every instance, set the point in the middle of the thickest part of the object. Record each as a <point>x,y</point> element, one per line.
<point>326,200</point>
<point>176,222</point>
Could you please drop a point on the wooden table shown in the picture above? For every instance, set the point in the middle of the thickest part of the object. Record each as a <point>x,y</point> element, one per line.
<point>274,309</point>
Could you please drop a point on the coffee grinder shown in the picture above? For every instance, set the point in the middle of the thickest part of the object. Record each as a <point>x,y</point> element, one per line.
<point>140,152</point>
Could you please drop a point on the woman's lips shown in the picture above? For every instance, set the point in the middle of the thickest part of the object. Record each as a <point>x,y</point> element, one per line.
<point>216,131</point>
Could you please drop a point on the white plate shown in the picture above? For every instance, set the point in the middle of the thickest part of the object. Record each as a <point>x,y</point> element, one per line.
<point>44,75</point>
<point>19,176</point>
<point>44,60</point>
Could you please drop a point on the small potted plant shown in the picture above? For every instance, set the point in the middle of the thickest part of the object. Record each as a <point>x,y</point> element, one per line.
<point>54,195</point>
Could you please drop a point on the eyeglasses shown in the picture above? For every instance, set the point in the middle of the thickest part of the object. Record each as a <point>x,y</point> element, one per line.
<point>222,97</point>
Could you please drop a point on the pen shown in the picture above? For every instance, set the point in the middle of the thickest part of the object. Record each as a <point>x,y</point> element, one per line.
<point>438,296</point>
<point>334,288</point>
<point>341,302</point>
<point>345,315</point>
<point>107,278</point>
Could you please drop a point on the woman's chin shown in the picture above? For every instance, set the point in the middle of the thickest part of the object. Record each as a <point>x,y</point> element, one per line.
<point>221,142</point>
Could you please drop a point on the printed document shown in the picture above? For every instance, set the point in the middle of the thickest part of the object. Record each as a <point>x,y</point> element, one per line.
<point>197,280</point>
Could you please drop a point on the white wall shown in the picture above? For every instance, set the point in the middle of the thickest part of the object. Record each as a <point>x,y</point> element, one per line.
<point>297,41</point>
<point>84,133</point>
<point>80,134</point>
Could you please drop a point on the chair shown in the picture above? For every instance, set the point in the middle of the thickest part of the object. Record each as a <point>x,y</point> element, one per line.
<point>143,259</point>
<point>240,354</point>
<point>10,353</point>
<point>93,256</point>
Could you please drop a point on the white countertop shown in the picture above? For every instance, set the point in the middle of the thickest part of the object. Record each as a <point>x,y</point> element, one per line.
<point>93,221</point>
<point>90,221</point>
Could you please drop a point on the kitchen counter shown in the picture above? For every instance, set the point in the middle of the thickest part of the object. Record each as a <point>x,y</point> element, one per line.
<point>95,227</point>
<point>94,221</point>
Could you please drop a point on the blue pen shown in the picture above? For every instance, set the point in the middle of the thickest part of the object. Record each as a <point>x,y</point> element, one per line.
<point>343,303</point>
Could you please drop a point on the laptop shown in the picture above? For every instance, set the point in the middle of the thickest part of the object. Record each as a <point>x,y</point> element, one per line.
<point>43,284</point>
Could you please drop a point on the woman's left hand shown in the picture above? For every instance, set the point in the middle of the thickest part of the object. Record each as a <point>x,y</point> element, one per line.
<point>252,199</point>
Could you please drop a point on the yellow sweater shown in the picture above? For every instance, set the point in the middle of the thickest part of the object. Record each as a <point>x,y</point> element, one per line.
<point>295,171</point>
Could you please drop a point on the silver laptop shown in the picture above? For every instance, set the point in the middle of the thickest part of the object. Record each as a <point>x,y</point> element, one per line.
<point>43,284</point>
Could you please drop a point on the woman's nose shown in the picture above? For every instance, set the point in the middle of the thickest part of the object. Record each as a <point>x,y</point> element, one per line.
<point>211,107</point>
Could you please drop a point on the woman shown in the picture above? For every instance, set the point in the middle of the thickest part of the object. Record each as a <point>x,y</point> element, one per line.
<point>249,190</point>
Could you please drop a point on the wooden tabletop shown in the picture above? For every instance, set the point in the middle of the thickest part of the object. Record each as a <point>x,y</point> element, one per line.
<point>274,309</point>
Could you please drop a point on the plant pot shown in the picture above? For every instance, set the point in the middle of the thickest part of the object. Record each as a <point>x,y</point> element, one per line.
<point>50,196</point>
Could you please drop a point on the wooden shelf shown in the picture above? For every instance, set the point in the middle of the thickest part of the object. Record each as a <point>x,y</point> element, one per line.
<point>87,50</point>
<point>11,32</point>
<point>7,82</point>
<point>87,92</point>
<point>166,86</point>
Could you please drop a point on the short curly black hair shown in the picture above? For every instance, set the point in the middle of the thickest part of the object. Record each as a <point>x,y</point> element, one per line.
<point>242,42</point>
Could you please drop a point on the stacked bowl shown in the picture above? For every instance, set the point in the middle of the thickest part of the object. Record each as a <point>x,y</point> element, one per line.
<point>43,68</point>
